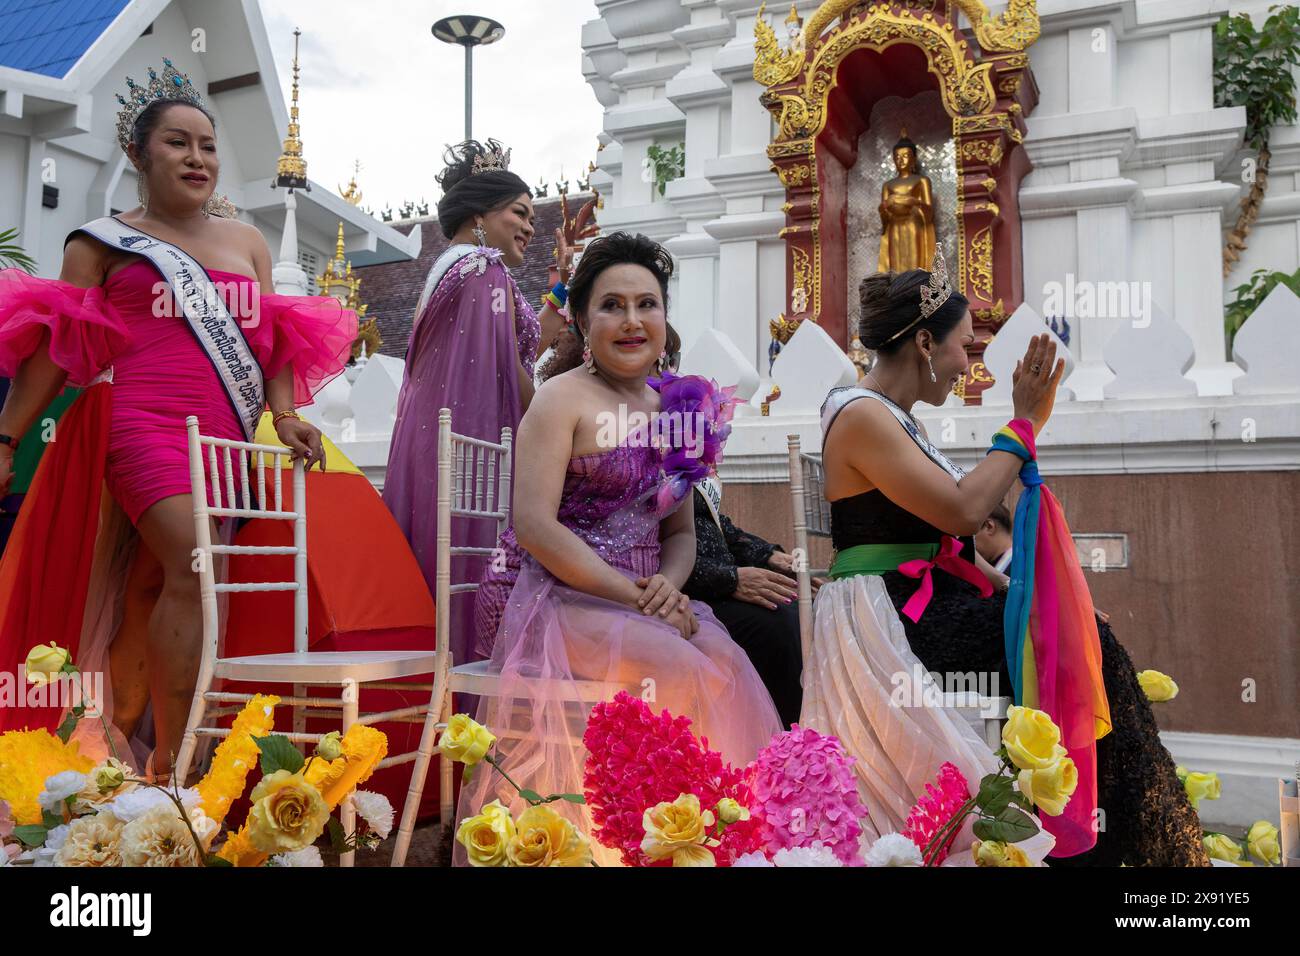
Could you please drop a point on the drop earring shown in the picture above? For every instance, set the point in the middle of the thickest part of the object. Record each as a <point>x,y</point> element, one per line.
<point>930,362</point>
<point>588,360</point>
<point>663,360</point>
<point>142,192</point>
<point>480,234</point>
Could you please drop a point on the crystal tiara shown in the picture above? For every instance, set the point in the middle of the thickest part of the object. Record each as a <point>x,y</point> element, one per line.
<point>172,85</point>
<point>934,293</point>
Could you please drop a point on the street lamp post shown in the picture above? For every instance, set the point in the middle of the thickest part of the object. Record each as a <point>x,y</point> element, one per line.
<point>468,31</point>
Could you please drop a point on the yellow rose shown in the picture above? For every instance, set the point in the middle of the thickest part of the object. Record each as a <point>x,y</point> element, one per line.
<point>485,836</point>
<point>544,838</point>
<point>1157,686</point>
<point>730,811</point>
<point>1201,786</point>
<point>1031,739</point>
<point>44,662</point>
<point>288,813</point>
<point>694,855</point>
<point>672,827</point>
<point>1219,846</point>
<point>1263,843</point>
<point>1050,788</point>
<point>997,853</point>
<point>465,740</point>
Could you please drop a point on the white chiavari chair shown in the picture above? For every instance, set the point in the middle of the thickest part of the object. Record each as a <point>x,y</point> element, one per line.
<point>221,468</point>
<point>812,516</point>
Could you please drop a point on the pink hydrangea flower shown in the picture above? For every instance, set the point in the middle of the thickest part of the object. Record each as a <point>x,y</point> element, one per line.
<point>942,800</point>
<point>636,759</point>
<point>806,793</point>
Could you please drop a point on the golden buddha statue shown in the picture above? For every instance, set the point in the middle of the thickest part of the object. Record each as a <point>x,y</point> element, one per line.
<point>906,213</point>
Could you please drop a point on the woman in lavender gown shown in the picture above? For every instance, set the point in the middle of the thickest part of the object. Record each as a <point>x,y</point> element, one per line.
<point>472,349</point>
<point>601,547</point>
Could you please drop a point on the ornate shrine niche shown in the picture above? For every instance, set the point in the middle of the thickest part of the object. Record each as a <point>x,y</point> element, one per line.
<point>822,93</point>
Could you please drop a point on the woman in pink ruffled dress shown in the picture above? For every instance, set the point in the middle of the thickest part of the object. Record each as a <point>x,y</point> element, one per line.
<point>110,322</point>
<point>590,585</point>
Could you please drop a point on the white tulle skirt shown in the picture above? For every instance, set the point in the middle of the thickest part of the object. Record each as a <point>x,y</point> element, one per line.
<point>859,657</point>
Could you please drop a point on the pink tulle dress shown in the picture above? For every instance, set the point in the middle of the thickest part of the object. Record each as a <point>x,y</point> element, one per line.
<point>550,636</point>
<point>159,372</point>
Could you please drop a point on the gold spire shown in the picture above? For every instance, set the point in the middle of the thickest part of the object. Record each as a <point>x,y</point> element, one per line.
<point>352,194</point>
<point>291,170</point>
<point>338,281</point>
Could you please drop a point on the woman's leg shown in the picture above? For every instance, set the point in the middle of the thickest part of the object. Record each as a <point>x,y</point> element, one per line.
<point>176,625</point>
<point>128,654</point>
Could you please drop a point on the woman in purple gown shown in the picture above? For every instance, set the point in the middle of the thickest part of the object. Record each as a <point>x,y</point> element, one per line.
<point>601,548</point>
<point>472,349</point>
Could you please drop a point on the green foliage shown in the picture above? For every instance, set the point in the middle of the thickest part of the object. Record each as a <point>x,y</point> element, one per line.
<point>278,754</point>
<point>12,255</point>
<point>1247,297</point>
<point>1252,68</point>
<point>665,165</point>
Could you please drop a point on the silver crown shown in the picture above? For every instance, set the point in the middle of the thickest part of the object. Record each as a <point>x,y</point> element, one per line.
<point>935,292</point>
<point>494,159</point>
<point>172,85</point>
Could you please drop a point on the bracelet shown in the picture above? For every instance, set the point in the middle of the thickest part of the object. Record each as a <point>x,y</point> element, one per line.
<point>9,441</point>
<point>561,293</point>
<point>289,413</point>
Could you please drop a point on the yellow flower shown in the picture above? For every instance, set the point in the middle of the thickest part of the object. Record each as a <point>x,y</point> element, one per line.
<point>694,855</point>
<point>1033,742</point>
<point>1050,788</point>
<point>730,811</point>
<point>544,838</point>
<point>997,853</point>
<point>1219,846</point>
<point>1263,843</point>
<point>673,827</point>
<point>465,740</point>
<point>236,756</point>
<point>27,759</point>
<point>485,836</point>
<point>106,781</point>
<point>1201,786</point>
<point>44,662</point>
<point>93,840</point>
<point>330,746</point>
<point>363,748</point>
<point>288,813</point>
<point>1158,687</point>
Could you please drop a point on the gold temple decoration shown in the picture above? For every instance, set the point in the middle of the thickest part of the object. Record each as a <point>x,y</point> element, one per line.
<point>292,168</point>
<point>352,195</point>
<point>981,262</point>
<point>802,272</point>
<point>338,281</point>
<point>772,64</point>
<point>765,406</point>
<point>1010,32</point>
<point>995,315</point>
<point>906,213</point>
<point>782,328</point>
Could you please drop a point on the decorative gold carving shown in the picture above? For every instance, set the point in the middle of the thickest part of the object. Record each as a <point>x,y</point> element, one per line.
<point>786,207</point>
<point>794,175</point>
<point>981,150</point>
<point>1010,86</point>
<point>979,124</point>
<point>989,183</point>
<point>798,147</point>
<point>772,64</point>
<point>1014,30</point>
<point>995,315</point>
<point>981,262</point>
<point>979,373</point>
<point>765,406</point>
<point>782,328</point>
<point>802,277</point>
<point>966,86</point>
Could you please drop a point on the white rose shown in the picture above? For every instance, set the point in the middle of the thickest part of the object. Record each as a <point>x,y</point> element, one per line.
<point>66,783</point>
<point>375,810</point>
<point>815,855</point>
<point>130,806</point>
<point>307,856</point>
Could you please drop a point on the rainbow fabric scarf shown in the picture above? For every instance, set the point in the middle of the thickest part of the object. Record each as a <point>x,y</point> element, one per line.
<point>1052,647</point>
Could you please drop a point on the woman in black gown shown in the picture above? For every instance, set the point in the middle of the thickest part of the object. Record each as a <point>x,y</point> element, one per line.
<point>890,486</point>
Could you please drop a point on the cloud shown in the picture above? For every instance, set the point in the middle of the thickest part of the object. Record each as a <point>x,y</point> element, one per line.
<point>377,86</point>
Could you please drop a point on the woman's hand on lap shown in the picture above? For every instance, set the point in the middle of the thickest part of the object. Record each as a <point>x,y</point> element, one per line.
<point>660,596</point>
<point>768,589</point>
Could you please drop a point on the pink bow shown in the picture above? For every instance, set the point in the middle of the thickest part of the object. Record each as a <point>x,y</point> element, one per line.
<point>946,559</point>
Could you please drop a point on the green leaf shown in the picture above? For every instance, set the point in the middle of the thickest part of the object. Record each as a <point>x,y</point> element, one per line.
<point>532,796</point>
<point>994,794</point>
<point>31,834</point>
<point>573,797</point>
<point>278,753</point>
<point>213,860</point>
<point>51,820</point>
<point>338,838</point>
<point>67,727</point>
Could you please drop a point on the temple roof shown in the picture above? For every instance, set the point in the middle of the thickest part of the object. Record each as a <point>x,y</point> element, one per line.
<point>391,290</point>
<point>50,36</point>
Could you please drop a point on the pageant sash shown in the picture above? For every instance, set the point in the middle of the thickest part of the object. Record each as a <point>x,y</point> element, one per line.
<point>840,398</point>
<point>914,561</point>
<point>710,490</point>
<point>450,256</point>
<point>217,331</point>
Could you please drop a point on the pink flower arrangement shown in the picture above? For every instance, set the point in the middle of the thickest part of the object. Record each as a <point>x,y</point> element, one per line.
<point>943,800</point>
<point>636,759</point>
<point>805,793</point>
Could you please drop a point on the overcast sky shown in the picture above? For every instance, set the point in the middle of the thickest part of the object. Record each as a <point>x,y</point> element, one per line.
<point>377,86</point>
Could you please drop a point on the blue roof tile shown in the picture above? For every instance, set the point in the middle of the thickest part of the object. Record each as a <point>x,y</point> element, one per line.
<point>50,36</point>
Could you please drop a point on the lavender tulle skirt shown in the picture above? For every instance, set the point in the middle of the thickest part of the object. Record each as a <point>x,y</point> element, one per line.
<point>556,643</point>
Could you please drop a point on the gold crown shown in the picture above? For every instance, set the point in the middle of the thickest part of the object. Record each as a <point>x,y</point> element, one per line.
<point>493,159</point>
<point>935,292</point>
<point>172,85</point>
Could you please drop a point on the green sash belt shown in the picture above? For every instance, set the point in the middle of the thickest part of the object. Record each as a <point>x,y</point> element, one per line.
<point>878,558</point>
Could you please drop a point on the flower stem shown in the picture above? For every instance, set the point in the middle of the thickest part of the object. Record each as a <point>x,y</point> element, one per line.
<point>941,836</point>
<point>496,766</point>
